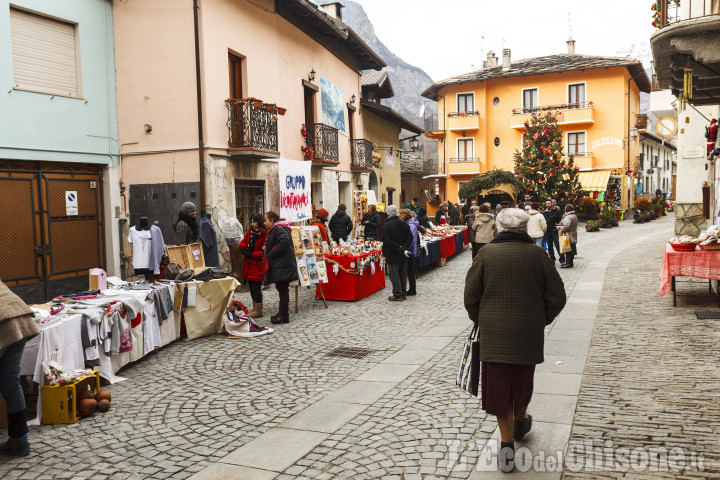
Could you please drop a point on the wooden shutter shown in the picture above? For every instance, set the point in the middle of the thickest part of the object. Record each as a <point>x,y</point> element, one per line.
<point>577,93</point>
<point>530,98</point>
<point>44,57</point>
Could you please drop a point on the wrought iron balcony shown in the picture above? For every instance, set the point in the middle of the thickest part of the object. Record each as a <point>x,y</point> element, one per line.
<point>432,167</point>
<point>252,127</point>
<point>361,154</point>
<point>434,127</point>
<point>558,106</point>
<point>323,139</point>
<point>464,159</point>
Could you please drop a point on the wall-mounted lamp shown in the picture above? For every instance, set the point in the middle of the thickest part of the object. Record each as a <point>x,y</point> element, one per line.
<point>633,132</point>
<point>414,144</point>
<point>311,75</point>
<point>352,99</point>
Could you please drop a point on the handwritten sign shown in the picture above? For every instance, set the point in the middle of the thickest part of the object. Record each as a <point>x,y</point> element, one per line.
<point>294,179</point>
<point>607,141</point>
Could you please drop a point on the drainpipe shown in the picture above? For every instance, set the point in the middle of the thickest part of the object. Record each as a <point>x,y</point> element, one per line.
<point>625,192</point>
<point>198,82</point>
<point>444,150</point>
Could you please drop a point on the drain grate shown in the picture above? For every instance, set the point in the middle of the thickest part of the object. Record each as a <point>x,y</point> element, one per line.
<point>350,352</point>
<point>707,314</point>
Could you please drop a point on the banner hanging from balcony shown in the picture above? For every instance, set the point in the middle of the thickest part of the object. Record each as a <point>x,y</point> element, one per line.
<point>295,202</point>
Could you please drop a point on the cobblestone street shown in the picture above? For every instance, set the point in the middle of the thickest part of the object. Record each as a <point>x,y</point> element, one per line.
<point>278,407</point>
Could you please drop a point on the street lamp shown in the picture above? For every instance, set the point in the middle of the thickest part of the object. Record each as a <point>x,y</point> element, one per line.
<point>311,76</point>
<point>414,143</point>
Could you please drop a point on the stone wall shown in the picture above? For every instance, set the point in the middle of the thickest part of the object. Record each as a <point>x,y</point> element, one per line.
<point>689,219</point>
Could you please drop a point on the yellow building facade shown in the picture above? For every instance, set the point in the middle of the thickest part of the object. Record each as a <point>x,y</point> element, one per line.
<point>482,114</point>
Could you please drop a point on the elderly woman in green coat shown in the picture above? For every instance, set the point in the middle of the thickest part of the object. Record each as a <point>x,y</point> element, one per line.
<point>512,291</point>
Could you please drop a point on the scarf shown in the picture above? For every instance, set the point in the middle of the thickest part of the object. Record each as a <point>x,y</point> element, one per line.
<point>508,236</point>
<point>255,235</point>
<point>191,222</point>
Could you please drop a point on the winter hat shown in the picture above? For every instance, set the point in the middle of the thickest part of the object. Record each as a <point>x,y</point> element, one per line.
<point>513,219</point>
<point>392,211</point>
<point>188,207</point>
<point>322,213</point>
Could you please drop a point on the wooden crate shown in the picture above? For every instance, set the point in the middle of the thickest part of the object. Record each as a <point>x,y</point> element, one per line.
<point>184,257</point>
<point>197,257</point>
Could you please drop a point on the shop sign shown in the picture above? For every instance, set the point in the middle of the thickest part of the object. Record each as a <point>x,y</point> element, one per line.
<point>600,142</point>
<point>294,176</point>
<point>694,152</point>
<point>71,203</point>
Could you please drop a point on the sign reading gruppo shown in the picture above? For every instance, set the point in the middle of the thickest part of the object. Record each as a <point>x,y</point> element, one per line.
<point>295,204</point>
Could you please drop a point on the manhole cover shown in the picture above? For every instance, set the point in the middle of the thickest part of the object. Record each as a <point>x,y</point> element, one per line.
<point>350,352</point>
<point>707,314</point>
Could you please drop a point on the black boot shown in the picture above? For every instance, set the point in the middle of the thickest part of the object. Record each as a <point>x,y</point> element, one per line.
<point>506,457</point>
<point>522,427</point>
<point>278,319</point>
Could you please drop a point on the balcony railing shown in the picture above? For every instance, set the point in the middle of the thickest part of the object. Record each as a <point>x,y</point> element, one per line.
<point>672,12</point>
<point>431,122</point>
<point>464,159</point>
<point>431,166</point>
<point>580,154</point>
<point>361,153</point>
<point>559,106</point>
<point>324,141</point>
<point>252,124</point>
<point>641,121</point>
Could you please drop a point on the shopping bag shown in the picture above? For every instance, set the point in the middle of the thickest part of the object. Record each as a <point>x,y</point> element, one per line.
<point>565,244</point>
<point>468,377</point>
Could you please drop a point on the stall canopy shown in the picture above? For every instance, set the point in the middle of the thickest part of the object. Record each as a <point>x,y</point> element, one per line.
<point>596,181</point>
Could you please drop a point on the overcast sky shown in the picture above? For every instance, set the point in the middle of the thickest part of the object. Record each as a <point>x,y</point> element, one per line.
<point>443,37</point>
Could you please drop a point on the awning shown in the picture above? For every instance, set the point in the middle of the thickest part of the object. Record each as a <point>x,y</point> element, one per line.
<point>595,181</point>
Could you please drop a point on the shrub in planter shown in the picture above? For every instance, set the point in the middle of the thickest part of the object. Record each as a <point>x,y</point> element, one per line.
<point>608,217</point>
<point>642,204</point>
<point>593,226</point>
<point>589,208</point>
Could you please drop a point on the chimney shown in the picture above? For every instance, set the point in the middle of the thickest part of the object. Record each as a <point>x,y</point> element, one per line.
<point>491,60</point>
<point>333,9</point>
<point>506,59</point>
<point>571,46</point>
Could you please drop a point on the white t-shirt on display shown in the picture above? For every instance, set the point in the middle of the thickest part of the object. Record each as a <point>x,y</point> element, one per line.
<point>142,243</point>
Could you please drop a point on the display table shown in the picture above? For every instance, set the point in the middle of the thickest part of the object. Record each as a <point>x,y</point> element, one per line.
<point>697,264</point>
<point>348,284</point>
<point>430,257</point>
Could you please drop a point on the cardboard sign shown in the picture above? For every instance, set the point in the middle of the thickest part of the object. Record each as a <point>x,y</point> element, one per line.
<point>71,203</point>
<point>295,203</point>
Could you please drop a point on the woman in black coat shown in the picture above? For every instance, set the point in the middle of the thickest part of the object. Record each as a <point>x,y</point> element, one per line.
<point>281,263</point>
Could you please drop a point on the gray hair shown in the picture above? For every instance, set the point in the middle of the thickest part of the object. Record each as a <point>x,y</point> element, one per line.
<point>474,208</point>
<point>512,220</point>
<point>392,211</point>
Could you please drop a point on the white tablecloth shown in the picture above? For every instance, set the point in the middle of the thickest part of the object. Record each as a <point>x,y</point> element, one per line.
<point>58,340</point>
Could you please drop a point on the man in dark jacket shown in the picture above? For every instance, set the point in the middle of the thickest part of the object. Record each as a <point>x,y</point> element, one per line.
<point>552,215</point>
<point>397,239</point>
<point>442,211</point>
<point>340,224</point>
<point>371,222</point>
<point>414,206</point>
<point>512,292</point>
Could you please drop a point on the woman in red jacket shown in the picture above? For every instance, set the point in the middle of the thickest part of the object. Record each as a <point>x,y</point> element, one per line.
<point>253,270</point>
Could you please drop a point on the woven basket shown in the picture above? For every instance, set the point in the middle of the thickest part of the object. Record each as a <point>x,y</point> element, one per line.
<point>711,247</point>
<point>683,247</point>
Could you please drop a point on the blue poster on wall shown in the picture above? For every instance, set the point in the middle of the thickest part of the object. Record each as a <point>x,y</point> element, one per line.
<point>333,111</point>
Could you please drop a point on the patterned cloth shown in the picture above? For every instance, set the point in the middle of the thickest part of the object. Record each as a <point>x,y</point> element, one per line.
<point>698,264</point>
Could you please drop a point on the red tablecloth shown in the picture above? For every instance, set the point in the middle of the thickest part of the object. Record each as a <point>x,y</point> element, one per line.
<point>698,264</point>
<point>466,236</point>
<point>447,247</point>
<point>351,286</point>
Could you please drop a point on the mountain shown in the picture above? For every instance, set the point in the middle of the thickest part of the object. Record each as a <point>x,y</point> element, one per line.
<point>641,52</point>
<point>408,81</point>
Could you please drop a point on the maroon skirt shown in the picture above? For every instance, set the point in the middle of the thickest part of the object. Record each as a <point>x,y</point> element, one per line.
<point>505,384</point>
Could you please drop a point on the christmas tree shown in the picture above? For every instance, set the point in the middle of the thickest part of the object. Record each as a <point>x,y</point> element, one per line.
<point>541,166</point>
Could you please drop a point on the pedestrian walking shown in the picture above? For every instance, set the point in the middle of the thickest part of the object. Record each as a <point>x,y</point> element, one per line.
<point>340,224</point>
<point>552,215</point>
<point>512,292</point>
<point>371,222</point>
<point>568,225</point>
<point>320,221</point>
<point>484,228</point>
<point>469,221</point>
<point>407,216</point>
<point>16,328</point>
<point>537,225</point>
<point>253,270</point>
<point>397,239</point>
<point>281,262</point>
<point>187,230</point>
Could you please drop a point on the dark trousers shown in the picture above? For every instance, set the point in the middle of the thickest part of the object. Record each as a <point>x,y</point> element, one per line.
<point>398,274</point>
<point>11,390</point>
<point>411,266</point>
<point>283,289</point>
<point>553,240</point>
<point>475,248</point>
<point>569,257</point>
<point>255,291</point>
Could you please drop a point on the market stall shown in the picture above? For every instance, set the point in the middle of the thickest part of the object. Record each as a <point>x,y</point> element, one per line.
<point>689,257</point>
<point>355,271</point>
<point>440,243</point>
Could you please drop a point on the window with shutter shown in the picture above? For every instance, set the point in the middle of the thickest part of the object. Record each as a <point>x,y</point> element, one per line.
<point>576,143</point>
<point>466,102</point>
<point>44,54</point>
<point>530,98</point>
<point>576,94</point>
